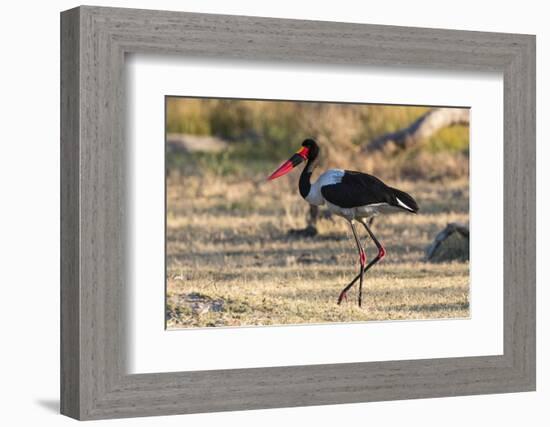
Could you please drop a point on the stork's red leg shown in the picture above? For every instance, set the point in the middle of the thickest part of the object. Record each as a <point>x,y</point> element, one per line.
<point>362,262</point>
<point>379,256</point>
<point>381,250</point>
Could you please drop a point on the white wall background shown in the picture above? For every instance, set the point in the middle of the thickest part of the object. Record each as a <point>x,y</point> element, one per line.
<point>29,212</point>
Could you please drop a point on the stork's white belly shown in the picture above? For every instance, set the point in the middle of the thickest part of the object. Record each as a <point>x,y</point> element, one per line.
<point>366,211</point>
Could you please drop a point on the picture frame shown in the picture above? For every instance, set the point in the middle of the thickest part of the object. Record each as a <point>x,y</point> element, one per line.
<point>94,267</point>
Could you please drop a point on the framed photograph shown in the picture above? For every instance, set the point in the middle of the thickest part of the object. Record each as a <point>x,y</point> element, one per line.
<point>261,213</point>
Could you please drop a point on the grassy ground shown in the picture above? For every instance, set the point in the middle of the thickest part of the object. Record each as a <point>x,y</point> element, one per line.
<point>231,261</point>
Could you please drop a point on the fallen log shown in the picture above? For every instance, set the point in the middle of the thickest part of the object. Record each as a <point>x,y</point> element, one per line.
<point>421,129</point>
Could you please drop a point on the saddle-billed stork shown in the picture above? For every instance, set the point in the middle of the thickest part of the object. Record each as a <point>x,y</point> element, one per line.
<point>355,196</point>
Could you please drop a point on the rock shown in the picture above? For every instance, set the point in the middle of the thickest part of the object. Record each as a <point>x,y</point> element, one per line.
<point>450,244</point>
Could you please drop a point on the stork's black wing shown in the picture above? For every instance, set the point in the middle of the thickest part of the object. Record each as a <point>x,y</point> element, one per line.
<point>357,189</point>
<point>360,189</point>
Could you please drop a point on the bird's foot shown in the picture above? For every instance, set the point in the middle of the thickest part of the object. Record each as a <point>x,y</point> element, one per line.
<point>343,296</point>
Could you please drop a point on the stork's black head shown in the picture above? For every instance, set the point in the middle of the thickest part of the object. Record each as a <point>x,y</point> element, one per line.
<point>312,148</point>
<point>309,151</point>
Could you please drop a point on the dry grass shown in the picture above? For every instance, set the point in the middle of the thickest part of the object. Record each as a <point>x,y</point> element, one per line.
<point>231,262</point>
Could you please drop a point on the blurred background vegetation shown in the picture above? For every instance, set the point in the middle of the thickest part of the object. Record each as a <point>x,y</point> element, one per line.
<point>257,135</point>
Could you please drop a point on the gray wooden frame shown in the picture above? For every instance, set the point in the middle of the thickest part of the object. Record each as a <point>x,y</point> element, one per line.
<point>94,41</point>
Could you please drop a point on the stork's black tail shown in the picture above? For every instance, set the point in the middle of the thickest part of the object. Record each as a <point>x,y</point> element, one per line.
<point>404,200</point>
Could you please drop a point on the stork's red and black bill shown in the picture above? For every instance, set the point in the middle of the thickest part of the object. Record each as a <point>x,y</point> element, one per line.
<point>295,160</point>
